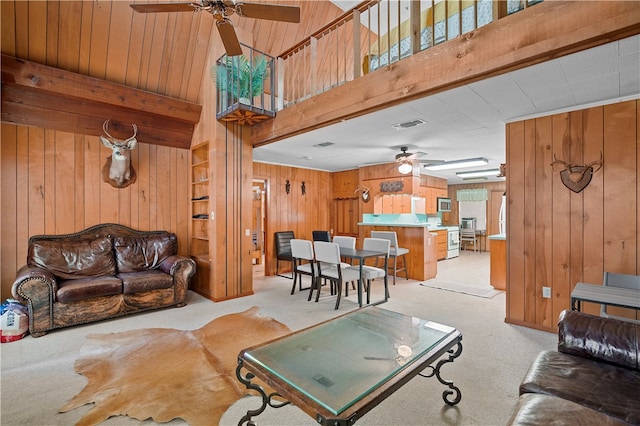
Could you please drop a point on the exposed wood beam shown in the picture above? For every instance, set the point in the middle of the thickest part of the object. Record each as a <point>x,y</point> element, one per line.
<point>41,96</point>
<point>540,33</point>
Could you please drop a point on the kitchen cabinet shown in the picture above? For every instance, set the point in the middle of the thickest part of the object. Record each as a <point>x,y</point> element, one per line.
<point>392,204</point>
<point>431,198</point>
<point>498,262</point>
<point>443,236</point>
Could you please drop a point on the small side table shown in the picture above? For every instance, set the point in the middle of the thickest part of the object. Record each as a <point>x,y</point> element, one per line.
<point>605,295</point>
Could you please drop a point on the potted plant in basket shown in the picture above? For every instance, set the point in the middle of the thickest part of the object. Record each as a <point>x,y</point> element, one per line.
<point>242,79</point>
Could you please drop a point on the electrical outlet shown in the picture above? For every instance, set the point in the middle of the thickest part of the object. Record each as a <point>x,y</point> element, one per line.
<point>546,292</point>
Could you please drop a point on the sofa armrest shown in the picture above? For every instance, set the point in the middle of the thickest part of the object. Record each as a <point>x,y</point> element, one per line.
<point>175,264</point>
<point>181,269</point>
<point>31,281</point>
<point>36,287</point>
<point>603,339</point>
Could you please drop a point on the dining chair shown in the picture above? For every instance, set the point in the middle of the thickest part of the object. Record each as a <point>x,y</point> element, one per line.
<point>350,243</point>
<point>468,232</point>
<point>394,252</point>
<point>321,236</point>
<point>611,279</point>
<point>303,262</point>
<point>283,250</point>
<point>369,273</point>
<point>329,267</point>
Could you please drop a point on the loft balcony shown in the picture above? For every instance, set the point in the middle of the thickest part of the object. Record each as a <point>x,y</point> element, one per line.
<point>373,35</point>
<point>376,34</point>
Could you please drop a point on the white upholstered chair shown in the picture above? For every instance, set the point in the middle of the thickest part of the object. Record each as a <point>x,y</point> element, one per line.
<point>303,262</point>
<point>394,252</point>
<point>329,267</point>
<point>369,273</point>
<point>350,243</point>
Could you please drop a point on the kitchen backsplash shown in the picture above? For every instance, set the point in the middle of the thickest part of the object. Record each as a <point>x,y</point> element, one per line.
<point>431,220</point>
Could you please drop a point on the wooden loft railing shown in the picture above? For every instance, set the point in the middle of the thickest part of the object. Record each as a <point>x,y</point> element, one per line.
<point>375,34</point>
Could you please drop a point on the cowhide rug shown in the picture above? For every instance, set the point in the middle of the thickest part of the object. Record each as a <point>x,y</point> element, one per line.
<point>162,373</point>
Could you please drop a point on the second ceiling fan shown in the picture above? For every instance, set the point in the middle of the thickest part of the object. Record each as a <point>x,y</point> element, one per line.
<point>221,10</point>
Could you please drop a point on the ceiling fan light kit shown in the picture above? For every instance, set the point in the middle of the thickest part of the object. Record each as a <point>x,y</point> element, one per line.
<point>478,173</point>
<point>458,164</point>
<point>405,167</point>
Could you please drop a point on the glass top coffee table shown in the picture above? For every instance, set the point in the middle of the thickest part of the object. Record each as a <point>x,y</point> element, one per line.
<point>338,370</point>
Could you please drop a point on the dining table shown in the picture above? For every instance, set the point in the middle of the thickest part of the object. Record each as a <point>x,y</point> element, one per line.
<point>361,256</point>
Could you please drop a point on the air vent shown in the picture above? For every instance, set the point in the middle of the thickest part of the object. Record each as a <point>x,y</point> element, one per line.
<point>408,124</point>
<point>324,144</point>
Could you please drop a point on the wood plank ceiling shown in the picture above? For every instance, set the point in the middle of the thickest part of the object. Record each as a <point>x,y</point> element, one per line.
<point>160,53</point>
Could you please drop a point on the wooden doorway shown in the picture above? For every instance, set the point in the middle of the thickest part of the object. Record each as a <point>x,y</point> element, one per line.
<point>258,222</point>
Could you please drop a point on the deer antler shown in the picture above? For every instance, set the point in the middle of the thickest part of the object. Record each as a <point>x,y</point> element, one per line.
<point>597,162</point>
<point>361,188</point>
<point>564,163</point>
<point>105,126</point>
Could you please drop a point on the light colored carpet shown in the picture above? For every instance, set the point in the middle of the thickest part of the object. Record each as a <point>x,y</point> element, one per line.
<point>38,376</point>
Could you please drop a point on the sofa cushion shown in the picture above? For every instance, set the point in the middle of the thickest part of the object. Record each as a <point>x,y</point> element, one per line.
<point>603,387</point>
<point>73,259</point>
<point>598,338</point>
<point>86,288</point>
<point>135,282</point>
<point>140,253</point>
<point>535,409</point>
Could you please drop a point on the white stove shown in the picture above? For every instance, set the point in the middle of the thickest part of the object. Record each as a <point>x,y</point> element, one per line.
<point>453,241</point>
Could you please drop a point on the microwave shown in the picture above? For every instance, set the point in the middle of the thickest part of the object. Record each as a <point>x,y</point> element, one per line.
<point>444,204</point>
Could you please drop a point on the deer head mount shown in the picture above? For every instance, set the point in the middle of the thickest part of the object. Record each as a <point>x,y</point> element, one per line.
<point>364,193</point>
<point>576,177</point>
<point>117,171</point>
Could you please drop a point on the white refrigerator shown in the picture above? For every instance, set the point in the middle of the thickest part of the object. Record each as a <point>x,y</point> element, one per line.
<point>502,218</point>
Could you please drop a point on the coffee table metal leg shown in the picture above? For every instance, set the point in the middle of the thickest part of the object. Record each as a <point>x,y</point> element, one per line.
<point>454,352</point>
<point>266,399</point>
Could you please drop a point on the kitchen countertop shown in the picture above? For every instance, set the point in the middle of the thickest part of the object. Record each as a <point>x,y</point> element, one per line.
<point>413,225</point>
<point>410,225</point>
<point>497,237</point>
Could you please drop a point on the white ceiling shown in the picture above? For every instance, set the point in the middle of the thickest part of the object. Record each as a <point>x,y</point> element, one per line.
<point>469,121</point>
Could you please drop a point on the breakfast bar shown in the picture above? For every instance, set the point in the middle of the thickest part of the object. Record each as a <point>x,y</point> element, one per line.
<point>422,244</point>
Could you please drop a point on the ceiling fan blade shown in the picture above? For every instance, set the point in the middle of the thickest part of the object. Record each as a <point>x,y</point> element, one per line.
<point>427,162</point>
<point>269,11</point>
<point>163,7</point>
<point>229,37</point>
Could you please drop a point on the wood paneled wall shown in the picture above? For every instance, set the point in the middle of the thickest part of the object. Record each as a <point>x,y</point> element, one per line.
<point>556,237</point>
<point>293,212</point>
<point>51,183</point>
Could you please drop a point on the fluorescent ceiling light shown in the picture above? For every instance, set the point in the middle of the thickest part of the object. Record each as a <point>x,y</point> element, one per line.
<point>478,173</point>
<point>405,167</point>
<point>458,164</point>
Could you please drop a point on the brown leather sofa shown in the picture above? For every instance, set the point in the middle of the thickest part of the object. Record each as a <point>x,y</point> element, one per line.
<point>593,378</point>
<point>105,271</point>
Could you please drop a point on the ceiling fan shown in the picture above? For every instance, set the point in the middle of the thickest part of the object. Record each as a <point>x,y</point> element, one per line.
<point>406,159</point>
<point>221,10</point>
